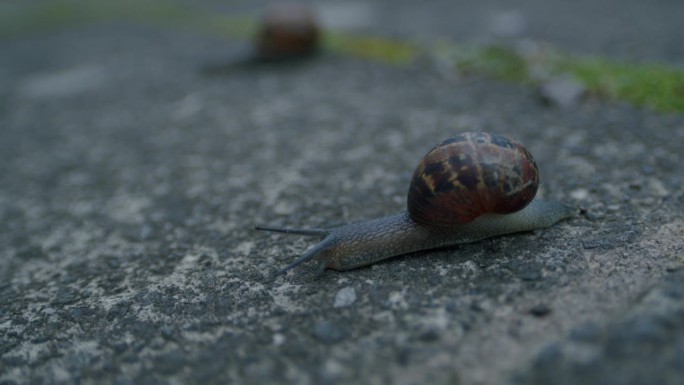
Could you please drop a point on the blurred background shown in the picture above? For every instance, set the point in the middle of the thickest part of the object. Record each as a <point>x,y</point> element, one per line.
<point>566,48</point>
<point>632,29</point>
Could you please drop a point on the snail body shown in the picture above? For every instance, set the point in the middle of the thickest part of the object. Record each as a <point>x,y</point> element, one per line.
<point>468,188</point>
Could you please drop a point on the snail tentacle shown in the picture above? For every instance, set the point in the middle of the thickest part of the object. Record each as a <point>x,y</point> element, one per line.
<point>308,255</point>
<point>290,230</point>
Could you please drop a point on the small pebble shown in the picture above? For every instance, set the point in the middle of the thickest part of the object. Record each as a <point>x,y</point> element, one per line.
<point>345,297</point>
<point>561,92</point>
<point>579,194</point>
<point>429,335</point>
<point>586,332</point>
<point>166,332</point>
<point>278,339</point>
<point>530,273</point>
<point>540,310</point>
<point>328,332</point>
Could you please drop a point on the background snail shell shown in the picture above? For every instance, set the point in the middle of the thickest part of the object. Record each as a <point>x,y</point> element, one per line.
<point>467,188</point>
<point>288,30</point>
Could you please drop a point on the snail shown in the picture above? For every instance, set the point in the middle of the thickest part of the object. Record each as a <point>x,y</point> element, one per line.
<point>468,188</point>
<point>287,31</point>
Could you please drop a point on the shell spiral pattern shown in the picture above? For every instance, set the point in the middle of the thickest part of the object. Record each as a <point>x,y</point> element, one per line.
<point>469,175</point>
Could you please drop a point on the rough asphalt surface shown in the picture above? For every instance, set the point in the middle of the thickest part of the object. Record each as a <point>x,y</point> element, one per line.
<point>130,182</point>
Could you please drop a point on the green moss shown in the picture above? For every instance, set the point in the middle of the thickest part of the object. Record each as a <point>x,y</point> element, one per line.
<point>655,85</point>
<point>495,61</point>
<point>388,50</point>
<point>20,20</point>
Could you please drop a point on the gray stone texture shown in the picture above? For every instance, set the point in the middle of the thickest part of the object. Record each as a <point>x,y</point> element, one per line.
<point>131,180</point>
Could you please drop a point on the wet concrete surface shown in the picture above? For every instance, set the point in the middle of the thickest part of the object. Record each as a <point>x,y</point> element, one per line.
<point>131,182</point>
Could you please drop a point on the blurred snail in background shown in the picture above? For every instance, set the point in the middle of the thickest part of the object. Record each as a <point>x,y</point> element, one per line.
<point>467,188</point>
<point>287,31</point>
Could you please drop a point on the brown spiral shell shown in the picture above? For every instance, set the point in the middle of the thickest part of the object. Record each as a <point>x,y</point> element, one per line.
<point>469,175</point>
<point>288,30</point>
